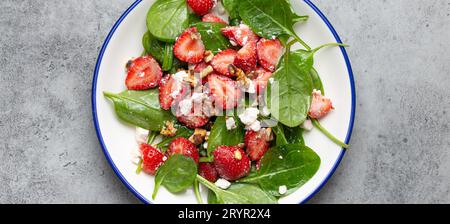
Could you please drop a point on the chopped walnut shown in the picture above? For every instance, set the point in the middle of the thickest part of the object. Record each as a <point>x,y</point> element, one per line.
<point>269,134</point>
<point>169,129</point>
<point>198,137</point>
<point>192,79</point>
<point>241,145</point>
<point>208,56</point>
<point>242,78</point>
<point>207,71</point>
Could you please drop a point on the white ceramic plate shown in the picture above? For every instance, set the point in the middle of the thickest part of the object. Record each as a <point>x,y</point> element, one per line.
<point>117,139</point>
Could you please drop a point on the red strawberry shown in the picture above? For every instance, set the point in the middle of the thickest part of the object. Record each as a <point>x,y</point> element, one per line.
<point>240,35</point>
<point>167,88</point>
<point>231,162</point>
<point>212,18</point>
<point>208,171</point>
<point>201,7</point>
<point>269,53</point>
<point>184,147</point>
<point>224,91</point>
<point>256,144</point>
<point>223,60</point>
<point>262,79</point>
<point>189,46</point>
<point>143,73</point>
<point>194,121</point>
<point>246,57</point>
<point>151,159</point>
<point>197,68</point>
<point>320,105</point>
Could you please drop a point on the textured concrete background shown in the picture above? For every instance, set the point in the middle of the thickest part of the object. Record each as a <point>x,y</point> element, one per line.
<point>400,151</point>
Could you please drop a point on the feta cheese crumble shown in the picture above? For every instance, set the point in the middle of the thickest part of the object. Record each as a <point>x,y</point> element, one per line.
<point>307,125</point>
<point>271,80</point>
<point>282,190</point>
<point>249,116</point>
<point>141,135</point>
<point>223,184</point>
<point>255,126</point>
<point>265,111</point>
<point>186,107</point>
<point>135,156</point>
<point>231,123</point>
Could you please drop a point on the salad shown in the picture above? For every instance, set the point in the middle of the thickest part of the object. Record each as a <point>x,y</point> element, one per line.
<point>219,99</point>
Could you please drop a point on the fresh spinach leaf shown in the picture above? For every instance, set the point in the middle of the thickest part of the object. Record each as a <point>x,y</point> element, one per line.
<point>294,135</point>
<point>237,194</point>
<point>167,19</point>
<point>289,96</point>
<point>177,174</point>
<point>288,165</point>
<point>194,18</point>
<point>269,21</point>
<point>140,108</point>
<point>220,135</point>
<point>176,65</point>
<point>212,37</point>
<point>168,57</point>
<point>232,7</point>
<point>153,46</point>
<point>317,82</point>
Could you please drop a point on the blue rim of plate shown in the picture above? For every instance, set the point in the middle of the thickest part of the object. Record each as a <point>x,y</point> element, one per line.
<point>140,196</point>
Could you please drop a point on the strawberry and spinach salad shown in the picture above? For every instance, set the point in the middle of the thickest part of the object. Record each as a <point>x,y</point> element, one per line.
<point>219,99</point>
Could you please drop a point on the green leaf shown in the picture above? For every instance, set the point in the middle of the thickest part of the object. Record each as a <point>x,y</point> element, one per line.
<point>140,108</point>
<point>237,194</point>
<point>168,57</point>
<point>317,82</point>
<point>220,135</point>
<point>153,46</point>
<point>167,19</point>
<point>288,165</point>
<point>232,7</point>
<point>177,174</point>
<point>289,96</point>
<point>270,18</point>
<point>212,37</point>
<point>194,18</point>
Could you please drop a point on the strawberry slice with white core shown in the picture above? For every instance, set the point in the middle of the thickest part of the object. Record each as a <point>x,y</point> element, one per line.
<point>224,91</point>
<point>143,73</point>
<point>170,90</point>
<point>222,61</point>
<point>239,35</point>
<point>189,46</point>
<point>212,18</point>
<point>246,58</point>
<point>262,78</point>
<point>269,53</point>
<point>320,105</point>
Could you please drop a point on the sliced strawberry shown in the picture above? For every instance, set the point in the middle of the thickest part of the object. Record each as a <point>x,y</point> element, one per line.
<point>262,78</point>
<point>189,46</point>
<point>240,35</point>
<point>201,7</point>
<point>269,53</point>
<point>170,90</point>
<point>152,159</point>
<point>208,171</point>
<point>194,121</point>
<point>212,18</point>
<point>184,147</point>
<point>246,58</point>
<point>224,90</point>
<point>320,105</point>
<point>256,144</point>
<point>143,73</point>
<point>231,162</point>
<point>197,68</point>
<point>223,60</point>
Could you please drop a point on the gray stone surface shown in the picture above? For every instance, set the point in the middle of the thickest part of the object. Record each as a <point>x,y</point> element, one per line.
<point>400,151</point>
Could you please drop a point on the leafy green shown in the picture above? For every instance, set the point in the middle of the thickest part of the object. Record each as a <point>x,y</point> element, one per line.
<point>289,97</point>
<point>294,135</point>
<point>153,46</point>
<point>212,37</point>
<point>167,19</point>
<point>220,135</point>
<point>232,7</point>
<point>194,18</point>
<point>270,18</point>
<point>237,194</point>
<point>140,108</point>
<point>168,57</point>
<point>317,82</point>
<point>177,174</point>
<point>288,165</point>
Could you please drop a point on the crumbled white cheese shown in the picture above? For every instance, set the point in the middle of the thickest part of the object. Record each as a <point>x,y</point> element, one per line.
<point>164,158</point>
<point>205,145</point>
<point>282,189</point>
<point>249,116</point>
<point>271,80</point>
<point>280,157</point>
<point>255,126</point>
<point>231,123</point>
<point>141,135</point>
<point>176,91</point>
<point>135,155</point>
<point>307,125</point>
<point>180,76</point>
<point>315,91</point>
<point>265,111</point>
<point>251,88</point>
<point>185,107</point>
<point>223,184</point>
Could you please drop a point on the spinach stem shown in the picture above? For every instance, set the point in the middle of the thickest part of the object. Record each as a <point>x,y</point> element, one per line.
<point>197,191</point>
<point>329,45</point>
<point>206,159</point>
<point>305,45</point>
<point>328,134</point>
<point>207,184</point>
<point>139,167</point>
